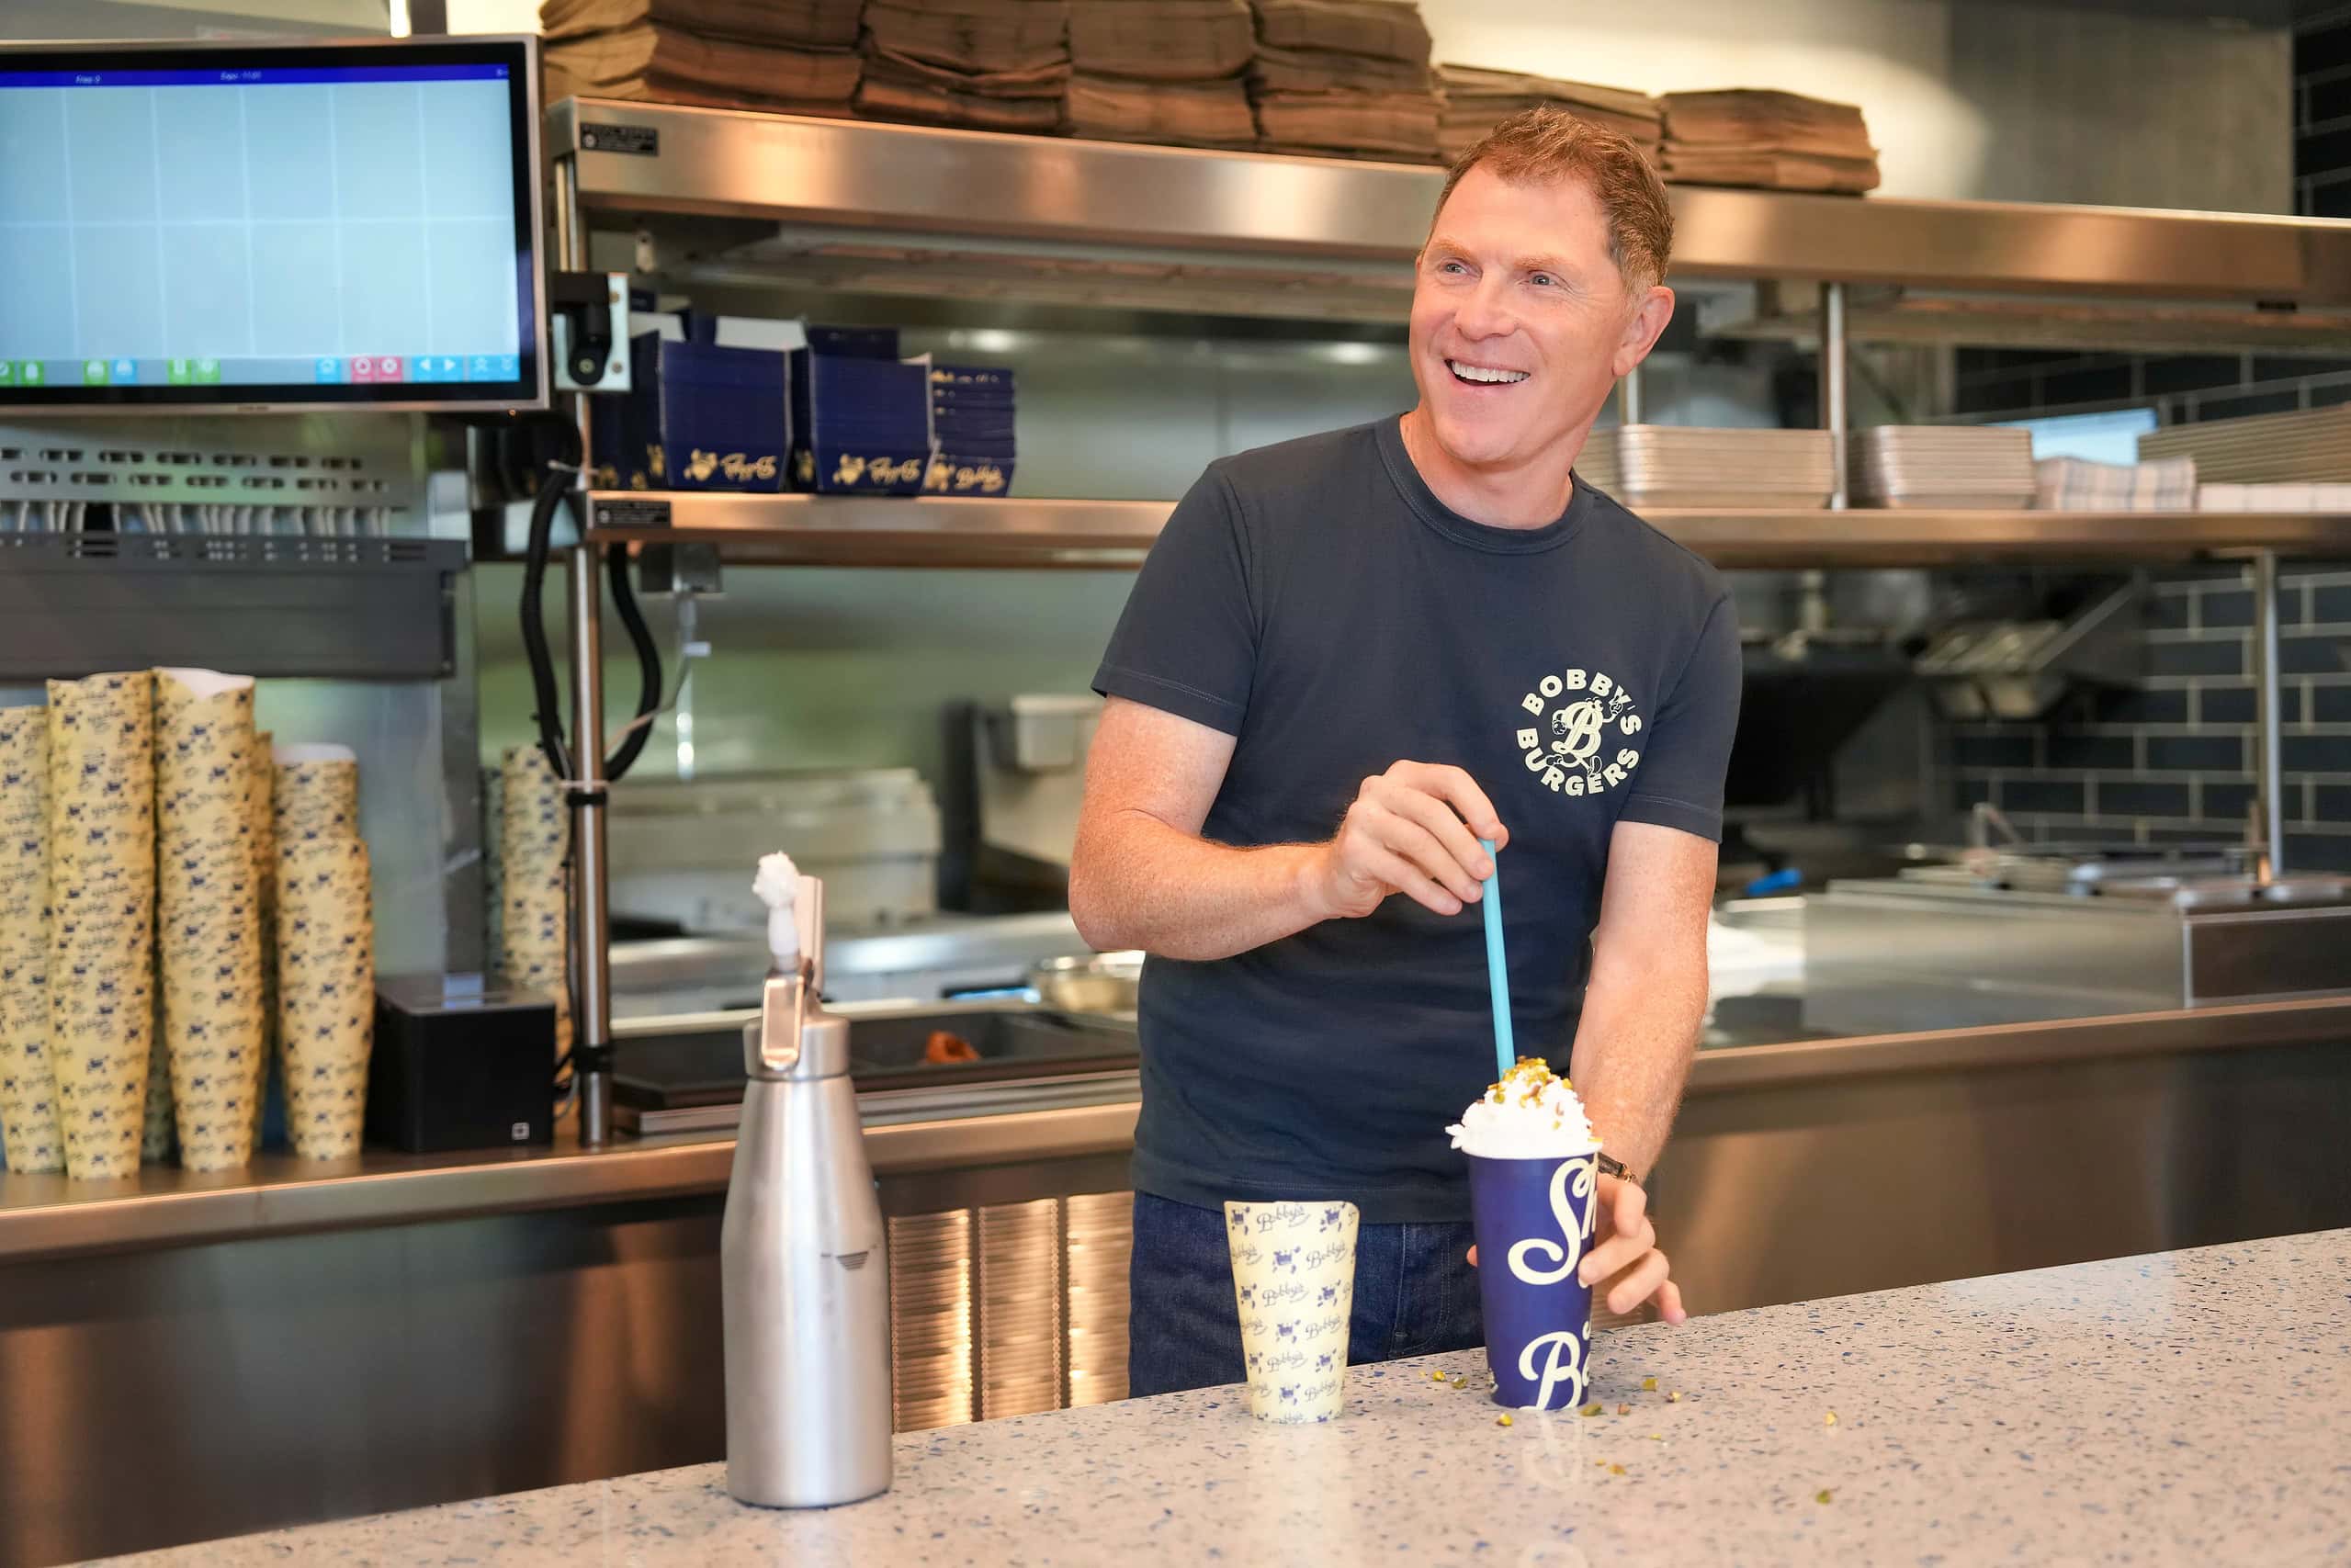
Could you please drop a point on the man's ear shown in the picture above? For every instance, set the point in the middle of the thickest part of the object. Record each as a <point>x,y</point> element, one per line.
<point>1644,326</point>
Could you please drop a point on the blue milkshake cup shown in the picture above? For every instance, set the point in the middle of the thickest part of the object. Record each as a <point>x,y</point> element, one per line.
<point>1533,1220</point>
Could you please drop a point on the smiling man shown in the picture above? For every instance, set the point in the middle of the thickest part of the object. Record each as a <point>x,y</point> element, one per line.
<point>1350,658</point>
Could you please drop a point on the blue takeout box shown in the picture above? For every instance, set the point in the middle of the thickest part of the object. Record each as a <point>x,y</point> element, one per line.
<point>864,425</point>
<point>712,418</point>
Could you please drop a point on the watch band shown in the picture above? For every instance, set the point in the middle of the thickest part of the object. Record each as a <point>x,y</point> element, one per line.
<point>1611,1165</point>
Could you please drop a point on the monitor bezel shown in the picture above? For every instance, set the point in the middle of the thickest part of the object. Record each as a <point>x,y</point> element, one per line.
<point>528,391</point>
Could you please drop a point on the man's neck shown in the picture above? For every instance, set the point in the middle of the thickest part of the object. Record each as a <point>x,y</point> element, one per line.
<point>1529,495</point>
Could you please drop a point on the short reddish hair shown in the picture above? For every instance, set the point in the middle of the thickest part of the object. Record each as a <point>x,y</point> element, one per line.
<point>1540,145</point>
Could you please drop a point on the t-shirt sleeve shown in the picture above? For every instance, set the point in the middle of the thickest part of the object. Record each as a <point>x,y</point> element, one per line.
<point>1680,784</point>
<point>1187,641</point>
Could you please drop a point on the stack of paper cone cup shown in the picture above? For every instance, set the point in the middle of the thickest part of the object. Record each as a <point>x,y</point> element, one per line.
<point>326,949</point>
<point>30,1139</point>
<point>102,899</point>
<point>326,992</point>
<point>534,843</point>
<point>262,800</point>
<point>209,912</point>
<point>317,793</point>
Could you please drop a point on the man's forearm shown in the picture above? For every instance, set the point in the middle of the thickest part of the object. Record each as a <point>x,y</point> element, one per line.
<point>1137,883</point>
<point>1634,1047</point>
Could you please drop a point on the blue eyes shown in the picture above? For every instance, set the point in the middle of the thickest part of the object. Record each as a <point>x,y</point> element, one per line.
<point>1539,279</point>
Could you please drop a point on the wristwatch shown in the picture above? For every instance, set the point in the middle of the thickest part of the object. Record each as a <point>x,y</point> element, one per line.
<point>1611,1165</point>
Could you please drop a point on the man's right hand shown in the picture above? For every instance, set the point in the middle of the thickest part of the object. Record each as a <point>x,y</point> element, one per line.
<point>1415,830</point>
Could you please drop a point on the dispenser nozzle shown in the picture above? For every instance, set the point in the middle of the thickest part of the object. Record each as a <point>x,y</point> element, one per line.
<point>777,885</point>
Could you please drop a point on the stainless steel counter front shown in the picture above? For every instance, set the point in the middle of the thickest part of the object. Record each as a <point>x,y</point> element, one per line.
<point>48,1216</point>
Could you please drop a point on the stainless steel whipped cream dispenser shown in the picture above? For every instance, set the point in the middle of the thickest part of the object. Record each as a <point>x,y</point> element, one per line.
<point>805,1269</point>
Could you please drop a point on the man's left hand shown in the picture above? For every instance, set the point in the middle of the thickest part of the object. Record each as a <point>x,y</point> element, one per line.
<point>1624,1257</point>
<point>1624,1260</point>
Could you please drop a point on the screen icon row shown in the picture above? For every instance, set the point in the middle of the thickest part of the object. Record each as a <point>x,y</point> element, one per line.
<point>377,369</point>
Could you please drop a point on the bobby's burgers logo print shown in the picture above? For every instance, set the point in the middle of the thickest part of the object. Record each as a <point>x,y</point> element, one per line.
<point>1581,734</point>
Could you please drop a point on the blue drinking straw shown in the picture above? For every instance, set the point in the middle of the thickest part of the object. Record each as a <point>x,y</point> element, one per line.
<point>1498,972</point>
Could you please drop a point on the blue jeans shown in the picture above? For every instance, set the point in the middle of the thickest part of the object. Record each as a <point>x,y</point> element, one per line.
<point>1415,1296</point>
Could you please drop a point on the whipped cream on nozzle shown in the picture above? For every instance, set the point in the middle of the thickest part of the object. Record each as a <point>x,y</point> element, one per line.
<point>778,886</point>
<point>1533,1113</point>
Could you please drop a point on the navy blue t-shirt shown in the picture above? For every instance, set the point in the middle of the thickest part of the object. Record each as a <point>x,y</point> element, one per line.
<point>1315,601</point>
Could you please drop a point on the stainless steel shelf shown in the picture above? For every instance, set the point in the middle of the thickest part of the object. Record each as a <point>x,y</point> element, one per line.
<point>886,179</point>
<point>804,530</point>
<point>807,530</point>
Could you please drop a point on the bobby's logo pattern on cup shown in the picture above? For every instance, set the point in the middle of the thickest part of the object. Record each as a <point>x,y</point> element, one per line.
<point>1552,1359</point>
<point>1293,1276</point>
<point>1573,1176</point>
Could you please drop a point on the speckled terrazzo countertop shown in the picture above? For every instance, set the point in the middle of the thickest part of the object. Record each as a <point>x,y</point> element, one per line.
<point>2185,1407</point>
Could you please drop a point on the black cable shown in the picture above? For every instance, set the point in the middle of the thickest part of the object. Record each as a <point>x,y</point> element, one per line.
<point>649,669</point>
<point>548,714</point>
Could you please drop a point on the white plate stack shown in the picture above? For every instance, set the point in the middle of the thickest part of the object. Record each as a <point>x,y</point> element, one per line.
<point>2269,448</point>
<point>931,1320</point>
<point>1688,466</point>
<point>1100,1242</point>
<point>1942,465</point>
<point>1020,1308</point>
<point>2274,498</point>
<point>2077,484</point>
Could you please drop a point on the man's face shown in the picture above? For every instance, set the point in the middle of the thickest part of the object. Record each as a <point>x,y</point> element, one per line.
<point>1521,322</point>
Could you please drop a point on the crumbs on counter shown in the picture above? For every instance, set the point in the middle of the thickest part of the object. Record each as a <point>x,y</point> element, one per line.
<point>1648,1385</point>
<point>1502,1420</point>
<point>1829,1420</point>
<point>1823,1494</point>
<point>1592,1409</point>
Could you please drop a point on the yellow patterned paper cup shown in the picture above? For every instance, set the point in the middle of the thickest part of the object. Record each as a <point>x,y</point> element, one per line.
<point>1293,1285</point>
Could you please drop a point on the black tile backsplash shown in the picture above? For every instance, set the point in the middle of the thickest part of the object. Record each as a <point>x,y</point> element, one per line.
<point>2225,705</point>
<point>2205,753</point>
<point>2136,798</point>
<point>2325,47</point>
<point>2222,656</point>
<point>2289,366</point>
<point>2173,763</point>
<point>2315,655</point>
<point>2314,852</point>
<point>2225,802</point>
<point>2247,404</point>
<point>2165,706</point>
<point>2013,751</point>
<point>2192,372</point>
<point>2317,753</point>
<point>2091,752</point>
<point>2060,796</point>
<point>2104,384</point>
<point>2323,153</point>
<point>2222,607</point>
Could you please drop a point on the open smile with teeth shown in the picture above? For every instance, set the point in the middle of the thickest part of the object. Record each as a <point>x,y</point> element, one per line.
<point>1484,375</point>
